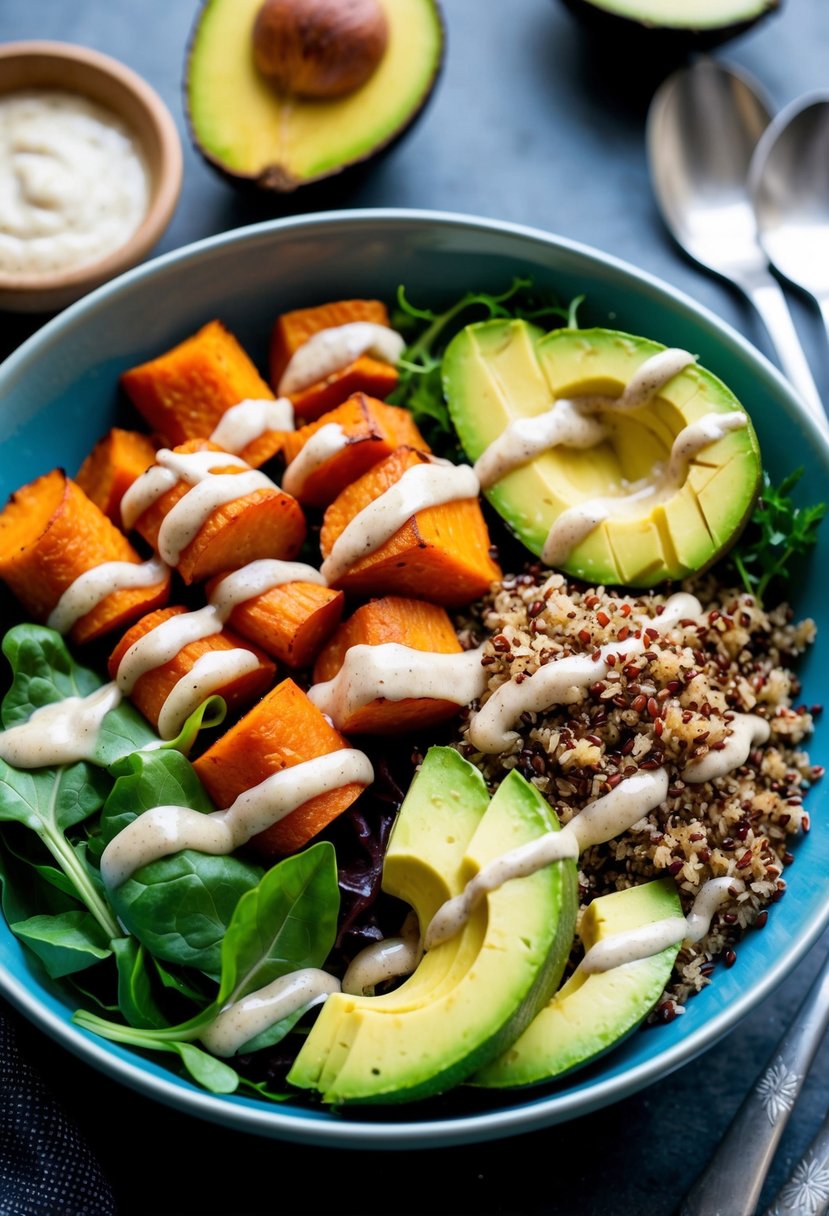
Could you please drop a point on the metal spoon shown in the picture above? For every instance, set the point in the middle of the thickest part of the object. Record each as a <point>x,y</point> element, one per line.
<point>704,123</point>
<point>789,186</point>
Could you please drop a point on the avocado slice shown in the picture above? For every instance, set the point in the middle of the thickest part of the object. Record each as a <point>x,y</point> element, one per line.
<point>495,372</point>
<point>591,1014</point>
<point>671,25</point>
<point>474,993</point>
<point>253,135</point>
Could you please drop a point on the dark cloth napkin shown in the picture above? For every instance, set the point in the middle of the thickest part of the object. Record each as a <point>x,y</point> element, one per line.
<point>46,1168</point>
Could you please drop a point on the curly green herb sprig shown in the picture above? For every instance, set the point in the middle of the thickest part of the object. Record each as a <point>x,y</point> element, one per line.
<point>777,532</point>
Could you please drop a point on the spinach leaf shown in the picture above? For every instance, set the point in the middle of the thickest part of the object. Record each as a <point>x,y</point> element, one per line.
<point>286,923</point>
<point>180,906</point>
<point>64,942</point>
<point>135,994</point>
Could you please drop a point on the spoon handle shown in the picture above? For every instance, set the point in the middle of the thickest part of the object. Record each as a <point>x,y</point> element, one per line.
<point>732,1182</point>
<point>767,297</point>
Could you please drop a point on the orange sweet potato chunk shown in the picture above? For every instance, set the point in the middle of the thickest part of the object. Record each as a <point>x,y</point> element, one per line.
<point>289,622</point>
<point>415,623</point>
<point>294,328</point>
<point>112,466</point>
<point>153,687</point>
<point>373,429</point>
<point>441,554</point>
<point>50,534</point>
<point>183,393</point>
<point>282,730</point>
<point>266,523</point>
<point>365,374</point>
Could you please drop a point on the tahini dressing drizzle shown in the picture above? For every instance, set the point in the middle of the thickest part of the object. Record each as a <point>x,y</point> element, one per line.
<point>422,486</point>
<point>323,444</point>
<point>249,420</point>
<point>93,586</point>
<point>168,829</point>
<point>330,350</point>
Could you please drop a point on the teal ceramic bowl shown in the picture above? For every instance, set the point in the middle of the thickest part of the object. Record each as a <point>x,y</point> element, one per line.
<point>58,395</point>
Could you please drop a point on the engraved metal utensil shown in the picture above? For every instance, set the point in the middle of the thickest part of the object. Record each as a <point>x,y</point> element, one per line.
<point>806,1193</point>
<point>731,1183</point>
<point>704,123</point>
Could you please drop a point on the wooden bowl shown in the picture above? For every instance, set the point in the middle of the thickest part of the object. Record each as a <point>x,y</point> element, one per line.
<point>117,88</point>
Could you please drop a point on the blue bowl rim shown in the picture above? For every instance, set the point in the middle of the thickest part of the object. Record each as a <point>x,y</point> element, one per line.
<point>321,1128</point>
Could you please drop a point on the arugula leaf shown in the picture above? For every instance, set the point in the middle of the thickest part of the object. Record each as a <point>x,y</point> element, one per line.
<point>419,387</point>
<point>777,532</point>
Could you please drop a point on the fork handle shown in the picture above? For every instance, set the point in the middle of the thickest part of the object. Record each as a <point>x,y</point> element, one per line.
<point>767,297</point>
<point>732,1182</point>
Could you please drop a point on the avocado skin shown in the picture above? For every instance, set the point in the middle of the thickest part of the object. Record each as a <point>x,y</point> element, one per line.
<point>274,180</point>
<point>603,1010</point>
<point>626,35</point>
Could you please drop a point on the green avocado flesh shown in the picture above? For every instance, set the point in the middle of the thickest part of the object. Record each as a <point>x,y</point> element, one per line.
<point>590,1014</point>
<point>475,993</point>
<point>686,14</point>
<point>244,127</point>
<point>496,372</point>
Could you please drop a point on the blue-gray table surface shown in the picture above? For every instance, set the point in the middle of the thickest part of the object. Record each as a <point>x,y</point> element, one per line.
<point>533,122</point>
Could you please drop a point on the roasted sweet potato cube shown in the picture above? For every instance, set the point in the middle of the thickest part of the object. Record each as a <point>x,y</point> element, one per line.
<point>112,466</point>
<point>282,730</point>
<point>152,689</point>
<point>441,554</point>
<point>294,328</point>
<point>409,622</point>
<point>369,431</point>
<point>50,535</point>
<point>183,393</point>
<point>289,622</point>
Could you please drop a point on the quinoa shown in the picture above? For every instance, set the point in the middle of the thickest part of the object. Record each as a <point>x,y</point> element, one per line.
<point>661,708</point>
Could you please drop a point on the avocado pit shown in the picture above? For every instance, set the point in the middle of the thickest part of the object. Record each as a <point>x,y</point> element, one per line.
<point>319,48</point>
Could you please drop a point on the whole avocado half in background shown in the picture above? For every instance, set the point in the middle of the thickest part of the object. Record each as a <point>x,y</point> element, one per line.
<point>670,26</point>
<point>256,137</point>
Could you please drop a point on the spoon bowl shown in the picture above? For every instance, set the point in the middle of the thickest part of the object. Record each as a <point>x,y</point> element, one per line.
<point>704,125</point>
<point>789,186</point>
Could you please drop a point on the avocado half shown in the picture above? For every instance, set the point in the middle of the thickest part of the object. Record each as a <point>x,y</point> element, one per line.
<point>475,993</point>
<point>253,136</point>
<point>671,25</point>
<point>497,372</point>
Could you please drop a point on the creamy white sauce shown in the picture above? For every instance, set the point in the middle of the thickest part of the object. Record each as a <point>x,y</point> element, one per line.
<point>186,518</point>
<point>563,681</point>
<point>248,1017</point>
<point>746,731</point>
<point>163,643</point>
<point>249,420</point>
<point>600,821</point>
<point>572,526</point>
<point>384,960</point>
<point>73,182</point>
<point>422,486</point>
<point>565,425</point>
<point>207,491</point>
<point>93,586</point>
<point>573,423</point>
<point>330,350</point>
<point>169,829</point>
<point>210,672</point>
<point>61,733</point>
<point>395,672</point>
<point>647,940</point>
<point>323,444</point>
<point>257,578</point>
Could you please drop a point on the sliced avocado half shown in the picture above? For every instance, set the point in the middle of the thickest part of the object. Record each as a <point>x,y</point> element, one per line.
<point>495,372</point>
<point>591,1014</point>
<point>253,135</point>
<point>476,992</point>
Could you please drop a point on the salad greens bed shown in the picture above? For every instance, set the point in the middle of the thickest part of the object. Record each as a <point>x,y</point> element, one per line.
<point>153,962</point>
